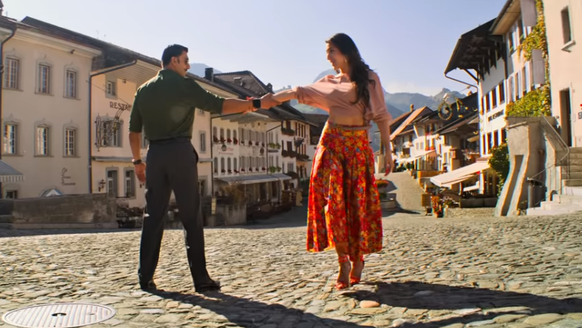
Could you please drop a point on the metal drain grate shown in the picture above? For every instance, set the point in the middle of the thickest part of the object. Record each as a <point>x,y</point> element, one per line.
<point>59,315</point>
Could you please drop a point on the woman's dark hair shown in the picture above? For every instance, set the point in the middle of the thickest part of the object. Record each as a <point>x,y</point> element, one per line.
<point>359,70</point>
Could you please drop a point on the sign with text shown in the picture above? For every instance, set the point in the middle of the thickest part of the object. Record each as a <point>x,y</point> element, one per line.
<point>120,106</point>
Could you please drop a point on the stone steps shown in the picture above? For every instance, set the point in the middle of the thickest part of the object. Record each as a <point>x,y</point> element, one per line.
<point>567,203</point>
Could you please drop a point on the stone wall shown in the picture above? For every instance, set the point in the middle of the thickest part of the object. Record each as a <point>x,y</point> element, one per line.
<point>59,212</point>
<point>227,215</point>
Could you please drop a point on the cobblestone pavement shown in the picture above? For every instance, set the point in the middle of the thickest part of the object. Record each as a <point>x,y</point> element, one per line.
<point>452,272</point>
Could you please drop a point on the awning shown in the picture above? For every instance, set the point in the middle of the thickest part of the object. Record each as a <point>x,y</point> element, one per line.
<point>416,156</point>
<point>250,179</point>
<point>459,175</point>
<point>281,176</point>
<point>9,174</point>
<point>472,188</point>
<point>473,139</point>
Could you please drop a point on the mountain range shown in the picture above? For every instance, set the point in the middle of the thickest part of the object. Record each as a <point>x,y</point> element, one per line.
<point>398,103</point>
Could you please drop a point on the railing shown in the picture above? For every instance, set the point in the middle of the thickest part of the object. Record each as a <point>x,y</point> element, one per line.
<point>553,165</point>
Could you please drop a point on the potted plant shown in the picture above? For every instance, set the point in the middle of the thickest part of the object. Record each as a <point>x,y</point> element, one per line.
<point>437,206</point>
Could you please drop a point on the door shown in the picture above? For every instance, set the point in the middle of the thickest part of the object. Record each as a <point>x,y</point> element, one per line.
<point>566,116</point>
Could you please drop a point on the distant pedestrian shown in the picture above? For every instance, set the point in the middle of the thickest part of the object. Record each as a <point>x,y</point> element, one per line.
<point>164,108</point>
<point>344,209</point>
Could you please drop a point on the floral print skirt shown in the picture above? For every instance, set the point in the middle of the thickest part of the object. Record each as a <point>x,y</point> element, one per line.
<point>344,203</point>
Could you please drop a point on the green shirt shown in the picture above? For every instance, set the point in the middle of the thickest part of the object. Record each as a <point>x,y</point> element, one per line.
<point>165,106</point>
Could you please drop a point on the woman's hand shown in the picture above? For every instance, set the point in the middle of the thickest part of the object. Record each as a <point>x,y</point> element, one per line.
<point>388,162</point>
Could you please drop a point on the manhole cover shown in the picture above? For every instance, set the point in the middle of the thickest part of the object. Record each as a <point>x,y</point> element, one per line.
<point>60,315</point>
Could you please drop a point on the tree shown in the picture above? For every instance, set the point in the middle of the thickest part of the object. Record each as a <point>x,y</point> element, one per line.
<point>499,162</point>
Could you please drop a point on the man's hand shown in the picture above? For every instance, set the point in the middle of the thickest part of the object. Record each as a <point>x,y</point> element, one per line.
<point>267,101</point>
<point>140,171</point>
<point>388,162</point>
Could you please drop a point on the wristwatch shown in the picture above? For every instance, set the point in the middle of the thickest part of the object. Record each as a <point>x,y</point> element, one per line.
<point>136,161</point>
<point>257,103</point>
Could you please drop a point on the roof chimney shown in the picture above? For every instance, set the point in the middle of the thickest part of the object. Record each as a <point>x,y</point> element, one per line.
<point>1,7</point>
<point>208,73</point>
<point>412,107</point>
<point>270,87</point>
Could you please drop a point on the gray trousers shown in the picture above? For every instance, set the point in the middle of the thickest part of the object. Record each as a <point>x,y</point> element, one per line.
<point>172,165</point>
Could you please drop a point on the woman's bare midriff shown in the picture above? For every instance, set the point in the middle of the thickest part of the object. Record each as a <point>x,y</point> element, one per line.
<point>353,121</point>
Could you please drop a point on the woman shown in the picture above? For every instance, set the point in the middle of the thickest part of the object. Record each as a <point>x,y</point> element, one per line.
<point>344,207</point>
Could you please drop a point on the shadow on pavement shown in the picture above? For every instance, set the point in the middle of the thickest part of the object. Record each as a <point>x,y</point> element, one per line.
<point>419,295</point>
<point>296,217</point>
<point>47,232</point>
<point>248,313</point>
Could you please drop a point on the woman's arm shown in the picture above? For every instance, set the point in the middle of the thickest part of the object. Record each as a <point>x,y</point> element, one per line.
<point>378,112</point>
<point>285,95</point>
<point>313,95</point>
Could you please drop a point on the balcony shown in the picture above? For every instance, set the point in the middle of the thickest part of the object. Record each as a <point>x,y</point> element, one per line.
<point>288,132</point>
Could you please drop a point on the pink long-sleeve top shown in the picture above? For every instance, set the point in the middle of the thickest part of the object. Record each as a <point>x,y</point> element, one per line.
<point>335,94</point>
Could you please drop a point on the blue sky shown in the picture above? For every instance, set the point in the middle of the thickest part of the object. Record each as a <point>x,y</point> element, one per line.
<point>408,42</point>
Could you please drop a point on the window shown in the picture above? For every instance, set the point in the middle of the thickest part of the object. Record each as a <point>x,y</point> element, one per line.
<point>523,81</point>
<point>290,167</point>
<point>566,27</point>
<point>70,140</point>
<point>235,165</point>
<point>129,183</point>
<point>44,78</point>
<point>221,133</point>
<point>109,133</point>
<point>227,133</point>
<point>517,84</point>
<point>510,85</point>
<point>214,133</point>
<point>233,134</point>
<point>494,98</point>
<point>71,84</point>
<point>42,140</point>
<point>112,183</point>
<point>202,142</point>
<point>10,135</point>
<point>11,73</point>
<point>110,88</point>
<point>520,30</point>
<point>509,37</point>
<point>501,93</point>
<point>215,165</point>
<point>222,167</point>
<point>202,187</point>
<point>12,194</point>
<point>229,165</point>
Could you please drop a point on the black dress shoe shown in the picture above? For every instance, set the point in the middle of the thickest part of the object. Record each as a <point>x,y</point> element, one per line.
<point>148,286</point>
<point>208,286</point>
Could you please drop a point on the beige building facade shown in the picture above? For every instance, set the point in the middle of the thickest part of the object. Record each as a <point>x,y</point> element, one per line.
<point>45,113</point>
<point>563,25</point>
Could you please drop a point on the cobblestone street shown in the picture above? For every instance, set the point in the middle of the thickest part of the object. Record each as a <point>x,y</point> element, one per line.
<point>457,272</point>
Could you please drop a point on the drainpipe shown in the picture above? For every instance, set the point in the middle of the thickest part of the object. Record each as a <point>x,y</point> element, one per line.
<point>90,120</point>
<point>1,92</point>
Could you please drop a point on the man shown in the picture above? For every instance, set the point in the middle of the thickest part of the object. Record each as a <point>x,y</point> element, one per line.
<point>164,107</point>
